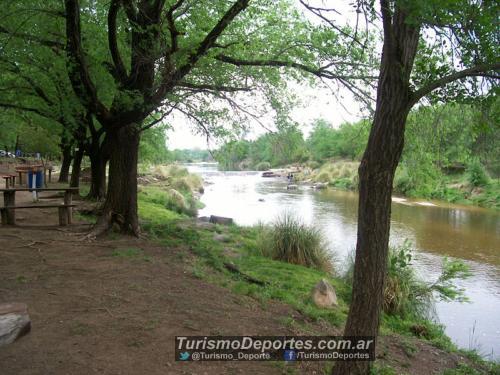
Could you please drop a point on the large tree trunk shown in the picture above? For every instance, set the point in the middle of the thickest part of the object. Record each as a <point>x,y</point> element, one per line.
<point>120,206</point>
<point>77,167</point>
<point>376,175</point>
<point>66,163</point>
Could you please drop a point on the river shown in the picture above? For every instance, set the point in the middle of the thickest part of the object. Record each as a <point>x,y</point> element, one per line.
<point>436,230</point>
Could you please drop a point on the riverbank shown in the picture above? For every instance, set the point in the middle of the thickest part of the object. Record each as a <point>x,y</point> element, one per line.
<point>403,343</point>
<point>451,188</point>
<point>125,299</point>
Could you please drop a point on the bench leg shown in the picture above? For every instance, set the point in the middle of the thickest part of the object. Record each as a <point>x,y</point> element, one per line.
<point>3,212</point>
<point>63,216</point>
<point>68,199</point>
<point>9,199</point>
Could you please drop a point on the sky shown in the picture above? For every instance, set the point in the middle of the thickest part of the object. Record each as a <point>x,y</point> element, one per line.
<point>315,102</point>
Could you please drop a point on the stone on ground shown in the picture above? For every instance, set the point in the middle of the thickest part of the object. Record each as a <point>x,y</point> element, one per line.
<point>324,295</point>
<point>14,322</point>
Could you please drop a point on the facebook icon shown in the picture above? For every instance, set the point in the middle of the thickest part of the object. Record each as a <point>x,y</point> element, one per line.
<point>289,355</point>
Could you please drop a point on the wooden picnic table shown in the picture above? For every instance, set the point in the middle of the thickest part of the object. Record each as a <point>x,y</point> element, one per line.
<point>9,198</point>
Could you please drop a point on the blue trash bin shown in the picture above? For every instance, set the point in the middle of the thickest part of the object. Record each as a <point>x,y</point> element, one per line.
<point>38,182</point>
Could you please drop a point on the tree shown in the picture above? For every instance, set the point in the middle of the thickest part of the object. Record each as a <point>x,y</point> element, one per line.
<point>470,26</point>
<point>36,85</point>
<point>165,52</point>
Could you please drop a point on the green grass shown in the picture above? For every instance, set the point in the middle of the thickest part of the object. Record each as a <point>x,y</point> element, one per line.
<point>289,240</point>
<point>131,253</point>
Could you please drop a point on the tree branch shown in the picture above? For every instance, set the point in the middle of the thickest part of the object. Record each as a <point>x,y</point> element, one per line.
<point>26,109</point>
<point>153,123</point>
<point>207,43</point>
<point>475,71</point>
<point>77,67</point>
<point>119,68</point>
<point>33,38</point>
<point>320,72</point>
<point>202,87</point>
<point>174,33</point>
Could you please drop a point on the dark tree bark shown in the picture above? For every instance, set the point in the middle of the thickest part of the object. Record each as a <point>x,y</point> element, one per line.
<point>98,155</point>
<point>120,206</point>
<point>77,167</point>
<point>376,175</point>
<point>66,163</point>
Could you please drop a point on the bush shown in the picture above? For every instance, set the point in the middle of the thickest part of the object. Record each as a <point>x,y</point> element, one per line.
<point>289,240</point>
<point>407,296</point>
<point>263,166</point>
<point>403,183</point>
<point>313,164</point>
<point>476,174</point>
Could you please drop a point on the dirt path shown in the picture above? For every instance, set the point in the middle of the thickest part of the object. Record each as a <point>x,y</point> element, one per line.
<point>93,311</point>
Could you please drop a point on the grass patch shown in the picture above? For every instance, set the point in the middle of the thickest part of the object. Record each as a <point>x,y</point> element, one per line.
<point>131,253</point>
<point>291,241</point>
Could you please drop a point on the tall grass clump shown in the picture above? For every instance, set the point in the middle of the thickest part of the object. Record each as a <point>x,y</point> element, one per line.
<point>289,240</point>
<point>263,166</point>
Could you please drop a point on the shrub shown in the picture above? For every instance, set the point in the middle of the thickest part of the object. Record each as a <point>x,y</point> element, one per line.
<point>476,174</point>
<point>263,166</point>
<point>289,240</point>
<point>406,295</point>
<point>313,164</point>
<point>323,177</point>
<point>403,183</point>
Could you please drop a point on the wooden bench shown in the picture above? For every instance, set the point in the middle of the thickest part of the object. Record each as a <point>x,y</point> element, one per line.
<point>65,209</point>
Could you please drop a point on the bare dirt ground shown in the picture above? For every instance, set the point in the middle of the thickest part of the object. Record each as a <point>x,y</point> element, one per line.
<point>93,312</point>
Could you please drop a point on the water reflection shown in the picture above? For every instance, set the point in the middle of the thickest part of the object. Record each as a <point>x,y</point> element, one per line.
<point>472,234</point>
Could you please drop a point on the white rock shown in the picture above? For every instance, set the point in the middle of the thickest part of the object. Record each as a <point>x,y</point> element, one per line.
<point>14,322</point>
<point>323,295</point>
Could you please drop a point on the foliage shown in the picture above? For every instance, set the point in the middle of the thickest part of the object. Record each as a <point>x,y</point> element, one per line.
<point>476,175</point>
<point>191,155</point>
<point>291,241</point>
<point>263,166</point>
<point>153,148</point>
<point>346,142</point>
<point>283,147</point>
<point>406,295</point>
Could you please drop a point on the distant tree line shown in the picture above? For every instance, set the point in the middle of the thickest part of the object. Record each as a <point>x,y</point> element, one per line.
<point>440,139</point>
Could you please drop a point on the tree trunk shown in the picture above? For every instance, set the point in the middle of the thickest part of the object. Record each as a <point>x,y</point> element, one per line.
<point>99,156</point>
<point>66,163</point>
<point>120,206</point>
<point>77,167</point>
<point>376,175</point>
<point>98,178</point>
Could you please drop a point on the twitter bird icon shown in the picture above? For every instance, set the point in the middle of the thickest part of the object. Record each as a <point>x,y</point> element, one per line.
<point>184,356</point>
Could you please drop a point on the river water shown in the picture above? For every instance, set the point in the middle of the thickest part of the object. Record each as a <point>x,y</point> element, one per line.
<point>436,230</point>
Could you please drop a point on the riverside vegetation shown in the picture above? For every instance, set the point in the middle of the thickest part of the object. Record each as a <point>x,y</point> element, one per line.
<point>290,258</point>
<point>451,153</point>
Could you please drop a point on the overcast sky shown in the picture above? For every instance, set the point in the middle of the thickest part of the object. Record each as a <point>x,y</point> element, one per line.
<point>336,107</point>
